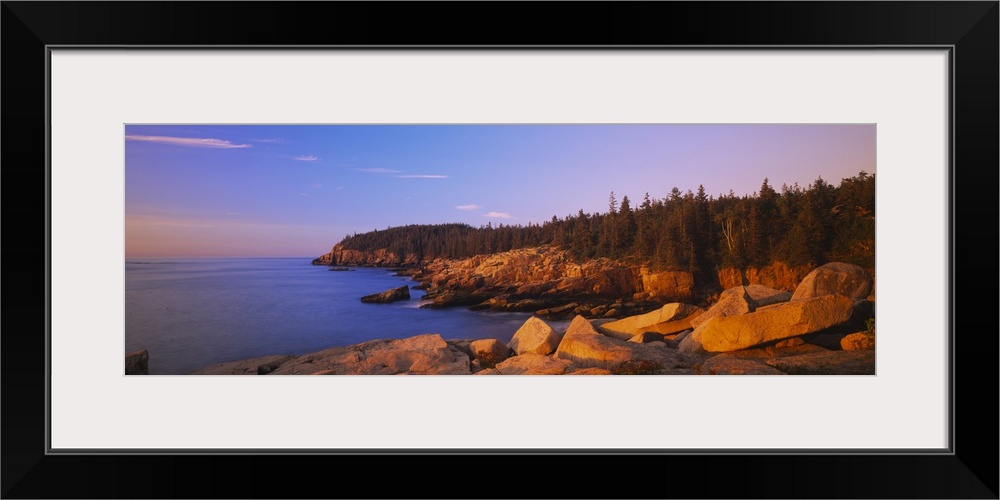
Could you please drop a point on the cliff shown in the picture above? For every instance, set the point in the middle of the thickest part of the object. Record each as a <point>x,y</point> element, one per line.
<point>775,275</point>
<point>340,256</point>
<point>548,281</point>
<point>542,279</point>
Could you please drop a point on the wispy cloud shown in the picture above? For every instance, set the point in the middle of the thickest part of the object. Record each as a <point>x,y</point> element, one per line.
<point>191,142</point>
<point>468,207</point>
<point>379,170</point>
<point>315,185</point>
<point>270,141</point>
<point>422,176</point>
<point>307,158</point>
<point>498,215</point>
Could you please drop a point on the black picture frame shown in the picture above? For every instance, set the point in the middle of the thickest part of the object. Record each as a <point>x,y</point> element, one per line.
<point>969,28</point>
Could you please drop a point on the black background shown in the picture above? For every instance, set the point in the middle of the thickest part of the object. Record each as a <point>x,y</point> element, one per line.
<point>971,472</point>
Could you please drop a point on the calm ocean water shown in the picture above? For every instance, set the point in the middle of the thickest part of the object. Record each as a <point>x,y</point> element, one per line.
<point>190,313</point>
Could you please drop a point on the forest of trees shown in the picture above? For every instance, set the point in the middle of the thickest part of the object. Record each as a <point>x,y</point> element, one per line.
<point>684,231</point>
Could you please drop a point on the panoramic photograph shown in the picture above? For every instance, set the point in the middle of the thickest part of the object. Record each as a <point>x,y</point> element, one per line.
<point>476,249</point>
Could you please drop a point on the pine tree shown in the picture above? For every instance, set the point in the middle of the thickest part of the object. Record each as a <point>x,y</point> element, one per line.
<point>625,228</point>
<point>645,236</point>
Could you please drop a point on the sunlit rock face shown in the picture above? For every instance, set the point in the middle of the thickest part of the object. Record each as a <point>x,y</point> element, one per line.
<point>841,278</point>
<point>791,319</point>
<point>587,348</point>
<point>535,336</point>
<point>420,355</point>
<point>530,364</point>
<point>671,318</point>
<point>742,300</point>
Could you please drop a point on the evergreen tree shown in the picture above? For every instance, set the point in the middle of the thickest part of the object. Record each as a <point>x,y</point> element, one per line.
<point>625,228</point>
<point>645,236</point>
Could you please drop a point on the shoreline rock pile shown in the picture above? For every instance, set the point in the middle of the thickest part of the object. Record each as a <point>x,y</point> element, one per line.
<point>391,295</point>
<point>751,330</point>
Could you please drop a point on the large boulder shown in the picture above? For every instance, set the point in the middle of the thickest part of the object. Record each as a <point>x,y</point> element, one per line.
<point>669,319</point>
<point>585,347</point>
<point>530,364</point>
<point>742,300</point>
<point>535,336</point>
<point>840,278</point>
<point>420,355</point>
<point>729,333</point>
<point>401,293</point>
<point>137,363</point>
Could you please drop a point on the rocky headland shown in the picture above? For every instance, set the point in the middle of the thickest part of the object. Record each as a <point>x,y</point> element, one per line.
<point>548,282</point>
<point>543,280</point>
<point>824,325</point>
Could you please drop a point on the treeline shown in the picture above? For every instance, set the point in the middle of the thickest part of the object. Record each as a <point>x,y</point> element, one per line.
<point>684,231</point>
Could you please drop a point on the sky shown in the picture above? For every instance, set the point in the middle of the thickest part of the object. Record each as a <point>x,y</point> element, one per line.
<point>296,190</point>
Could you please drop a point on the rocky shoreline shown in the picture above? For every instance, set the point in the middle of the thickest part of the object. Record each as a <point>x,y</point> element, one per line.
<point>548,282</point>
<point>826,326</point>
<point>542,280</point>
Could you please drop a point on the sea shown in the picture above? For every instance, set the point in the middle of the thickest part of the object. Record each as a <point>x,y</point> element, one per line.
<point>190,313</point>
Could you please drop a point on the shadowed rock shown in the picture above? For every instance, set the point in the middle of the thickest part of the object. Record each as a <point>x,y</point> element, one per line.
<point>137,363</point>
<point>827,363</point>
<point>863,311</point>
<point>688,345</point>
<point>840,278</point>
<point>753,361</point>
<point>254,366</point>
<point>794,341</point>
<point>401,293</point>
<point>733,366</point>
<point>452,299</point>
<point>675,342</point>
